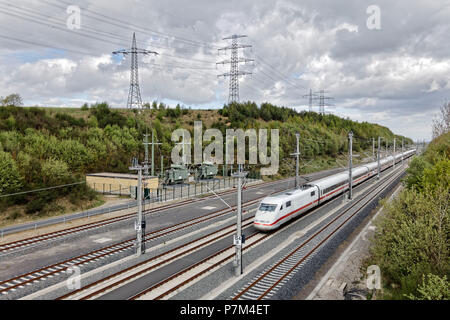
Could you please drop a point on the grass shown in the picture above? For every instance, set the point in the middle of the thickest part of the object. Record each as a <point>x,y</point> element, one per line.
<point>16,214</point>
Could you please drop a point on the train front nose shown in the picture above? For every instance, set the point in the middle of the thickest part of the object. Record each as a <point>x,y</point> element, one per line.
<point>262,226</point>
<point>261,222</point>
<point>265,216</point>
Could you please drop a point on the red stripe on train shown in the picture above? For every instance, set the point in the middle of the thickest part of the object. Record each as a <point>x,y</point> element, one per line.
<point>290,213</point>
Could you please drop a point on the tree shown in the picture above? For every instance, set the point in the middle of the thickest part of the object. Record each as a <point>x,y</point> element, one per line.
<point>177,110</point>
<point>12,100</point>
<point>55,172</point>
<point>10,179</point>
<point>441,123</point>
<point>92,121</point>
<point>415,172</point>
<point>437,175</point>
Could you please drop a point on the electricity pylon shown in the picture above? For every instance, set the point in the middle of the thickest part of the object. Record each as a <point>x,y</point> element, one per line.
<point>322,99</point>
<point>134,95</point>
<point>311,97</point>
<point>234,68</point>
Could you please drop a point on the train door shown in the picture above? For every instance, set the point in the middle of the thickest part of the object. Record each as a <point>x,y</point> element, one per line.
<point>315,195</point>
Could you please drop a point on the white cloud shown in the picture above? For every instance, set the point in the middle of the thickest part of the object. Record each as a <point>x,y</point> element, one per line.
<point>395,72</point>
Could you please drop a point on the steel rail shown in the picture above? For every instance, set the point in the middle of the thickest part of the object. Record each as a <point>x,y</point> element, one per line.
<point>30,277</point>
<point>212,266</point>
<point>134,275</point>
<point>98,224</point>
<point>367,198</point>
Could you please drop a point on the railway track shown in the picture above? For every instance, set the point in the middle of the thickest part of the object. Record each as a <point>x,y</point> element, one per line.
<point>150,264</point>
<point>74,230</point>
<point>28,279</point>
<point>21,244</point>
<point>252,240</point>
<point>276,275</point>
<point>48,272</point>
<point>266,284</point>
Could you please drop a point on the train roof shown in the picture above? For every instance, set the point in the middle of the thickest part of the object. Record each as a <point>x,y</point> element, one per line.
<point>371,165</point>
<point>359,169</point>
<point>331,179</point>
<point>326,181</point>
<point>285,196</point>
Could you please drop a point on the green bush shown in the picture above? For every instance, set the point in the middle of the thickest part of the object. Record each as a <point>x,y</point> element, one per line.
<point>433,287</point>
<point>46,147</point>
<point>10,179</point>
<point>412,236</point>
<point>37,204</point>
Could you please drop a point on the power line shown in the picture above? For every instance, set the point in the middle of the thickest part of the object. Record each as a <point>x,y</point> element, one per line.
<point>180,67</point>
<point>62,21</point>
<point>102,37</point>
<point>162,67</point>
<point>281,75</point>
<point>127,24</point>
<point>43,45</point>
<point>111,35</point>
<point>32,19</point>
<point>37,190</point>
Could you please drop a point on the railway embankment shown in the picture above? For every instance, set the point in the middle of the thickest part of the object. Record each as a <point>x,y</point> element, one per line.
<point>404,253</point>
<point>411,245</point>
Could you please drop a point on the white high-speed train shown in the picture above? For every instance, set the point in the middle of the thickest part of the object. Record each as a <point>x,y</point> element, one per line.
<point>275,210</point>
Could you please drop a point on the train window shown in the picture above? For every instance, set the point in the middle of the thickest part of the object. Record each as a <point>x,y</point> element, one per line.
<point>306,186</point>
<point>327,190</point>
<point>288,204</point>
<point>313,193</point>
<point>281,208</point>
<point>359,176</point>
<point>267,207</point>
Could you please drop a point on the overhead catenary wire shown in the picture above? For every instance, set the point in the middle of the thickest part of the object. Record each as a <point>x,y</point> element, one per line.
<point>42,189</point>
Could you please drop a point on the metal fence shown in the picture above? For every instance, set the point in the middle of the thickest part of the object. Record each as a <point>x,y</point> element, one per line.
<point>161,194</point>
<point>171,192</point>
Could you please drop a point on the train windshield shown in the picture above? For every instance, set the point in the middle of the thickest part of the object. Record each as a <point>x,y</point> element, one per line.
<point>267,207</point>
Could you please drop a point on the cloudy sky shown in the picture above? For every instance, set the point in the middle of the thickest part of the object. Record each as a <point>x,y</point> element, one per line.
<point>395,73</point>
